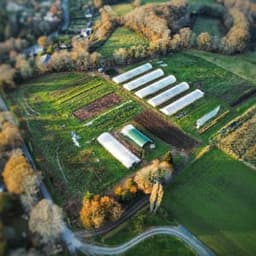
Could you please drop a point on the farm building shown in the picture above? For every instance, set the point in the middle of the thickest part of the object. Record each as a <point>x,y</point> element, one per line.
<point>132,73</point>
<point>207,117</point>
<point>182,102</point>
<point>136,136</point>
<point>118,150</point>
<point>169,94</point>
<point>136,83</point>
<point>155,87</point>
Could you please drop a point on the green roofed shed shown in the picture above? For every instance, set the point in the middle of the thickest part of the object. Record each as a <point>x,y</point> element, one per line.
<point>136,136</point>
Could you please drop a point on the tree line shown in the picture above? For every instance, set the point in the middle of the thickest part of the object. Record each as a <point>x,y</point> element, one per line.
<point>44,218</point>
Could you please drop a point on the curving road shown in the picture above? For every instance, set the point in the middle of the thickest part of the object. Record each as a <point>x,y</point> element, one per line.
<point>178,232</point>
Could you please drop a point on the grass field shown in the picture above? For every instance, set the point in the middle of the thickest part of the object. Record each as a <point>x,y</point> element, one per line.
<point>207,24</point>
<point>46,105</point>
<point>159,245</point>
<point>215,199</point>
<point>243,65</point>
<point>121,38</point>
<point>122,9</point>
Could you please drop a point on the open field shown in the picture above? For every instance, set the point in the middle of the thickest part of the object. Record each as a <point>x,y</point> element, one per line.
<point>207,24</point>
<point>121,38</point>
<point>241,65</point>
<point>122,9</point>
<point>159,245</point>
<point>47,104</point>
<point>214,198</point>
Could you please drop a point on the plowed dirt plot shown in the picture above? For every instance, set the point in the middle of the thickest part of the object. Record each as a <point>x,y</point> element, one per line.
<point>165,131</point>
<point>97,106</point>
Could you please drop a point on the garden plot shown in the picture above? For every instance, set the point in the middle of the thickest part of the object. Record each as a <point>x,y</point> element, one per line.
<point>165,131</point>
<point>98,106</point>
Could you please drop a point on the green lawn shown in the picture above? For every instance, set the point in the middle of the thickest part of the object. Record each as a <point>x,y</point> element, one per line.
<point>242,65</point>
<point>46,105</point>
<point>122,9</point>
<point>215,199</point>
<point>158,245</point>
<point>121,38</point>
<point>207,24</point>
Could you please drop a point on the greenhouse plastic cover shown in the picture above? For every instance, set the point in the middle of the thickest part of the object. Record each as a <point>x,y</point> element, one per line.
<point>136,83</point>
<point>169,94</point>
<point>204,119</point>
<point>155,87</point>
<point>135,135</point>
<point>182,102</point>
<point>132,73</point>
<point>118,150</point>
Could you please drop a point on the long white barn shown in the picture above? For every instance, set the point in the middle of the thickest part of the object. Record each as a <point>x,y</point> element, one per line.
<point>155,87</point>
<point>138,82</point>
<point>132,73</point>
<point>169,94</point>
<point>182,102</point>
<point>118,150</point>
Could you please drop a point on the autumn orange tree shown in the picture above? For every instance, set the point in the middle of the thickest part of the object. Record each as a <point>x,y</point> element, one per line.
<point>16,173</point>
<point>126,190</point>
<point>97,210</point>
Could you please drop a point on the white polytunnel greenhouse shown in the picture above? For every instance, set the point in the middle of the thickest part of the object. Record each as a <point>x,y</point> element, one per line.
<point>182,102</point>
<point>169,94</point>
<point>132,73</point>
<point>207,117</point>
<point>138,82</point>
<point>118,150</point>
<point>155,87</point>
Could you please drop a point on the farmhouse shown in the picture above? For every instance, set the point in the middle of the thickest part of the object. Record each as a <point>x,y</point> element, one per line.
<point>118,150</point>
<point>155,87</point>
<point>132,73</point>
<point>182,102</point>
<point>153,75</point>
<point>136,136</point>
<point>169,94</point>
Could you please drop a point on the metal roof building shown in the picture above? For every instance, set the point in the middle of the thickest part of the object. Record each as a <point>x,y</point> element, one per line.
<point>132,73</point>
<point>136,136</point>
<point>118,150</point>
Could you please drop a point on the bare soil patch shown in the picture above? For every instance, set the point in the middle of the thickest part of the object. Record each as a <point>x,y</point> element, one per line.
<point>165,130</point>
<point>97,106</point>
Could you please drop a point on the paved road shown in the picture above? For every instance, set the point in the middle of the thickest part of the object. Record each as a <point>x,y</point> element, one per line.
<point>65,11</point>
<point>178,231</point>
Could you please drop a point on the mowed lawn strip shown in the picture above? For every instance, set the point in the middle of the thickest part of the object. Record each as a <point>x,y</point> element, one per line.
<point>215,199</point>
